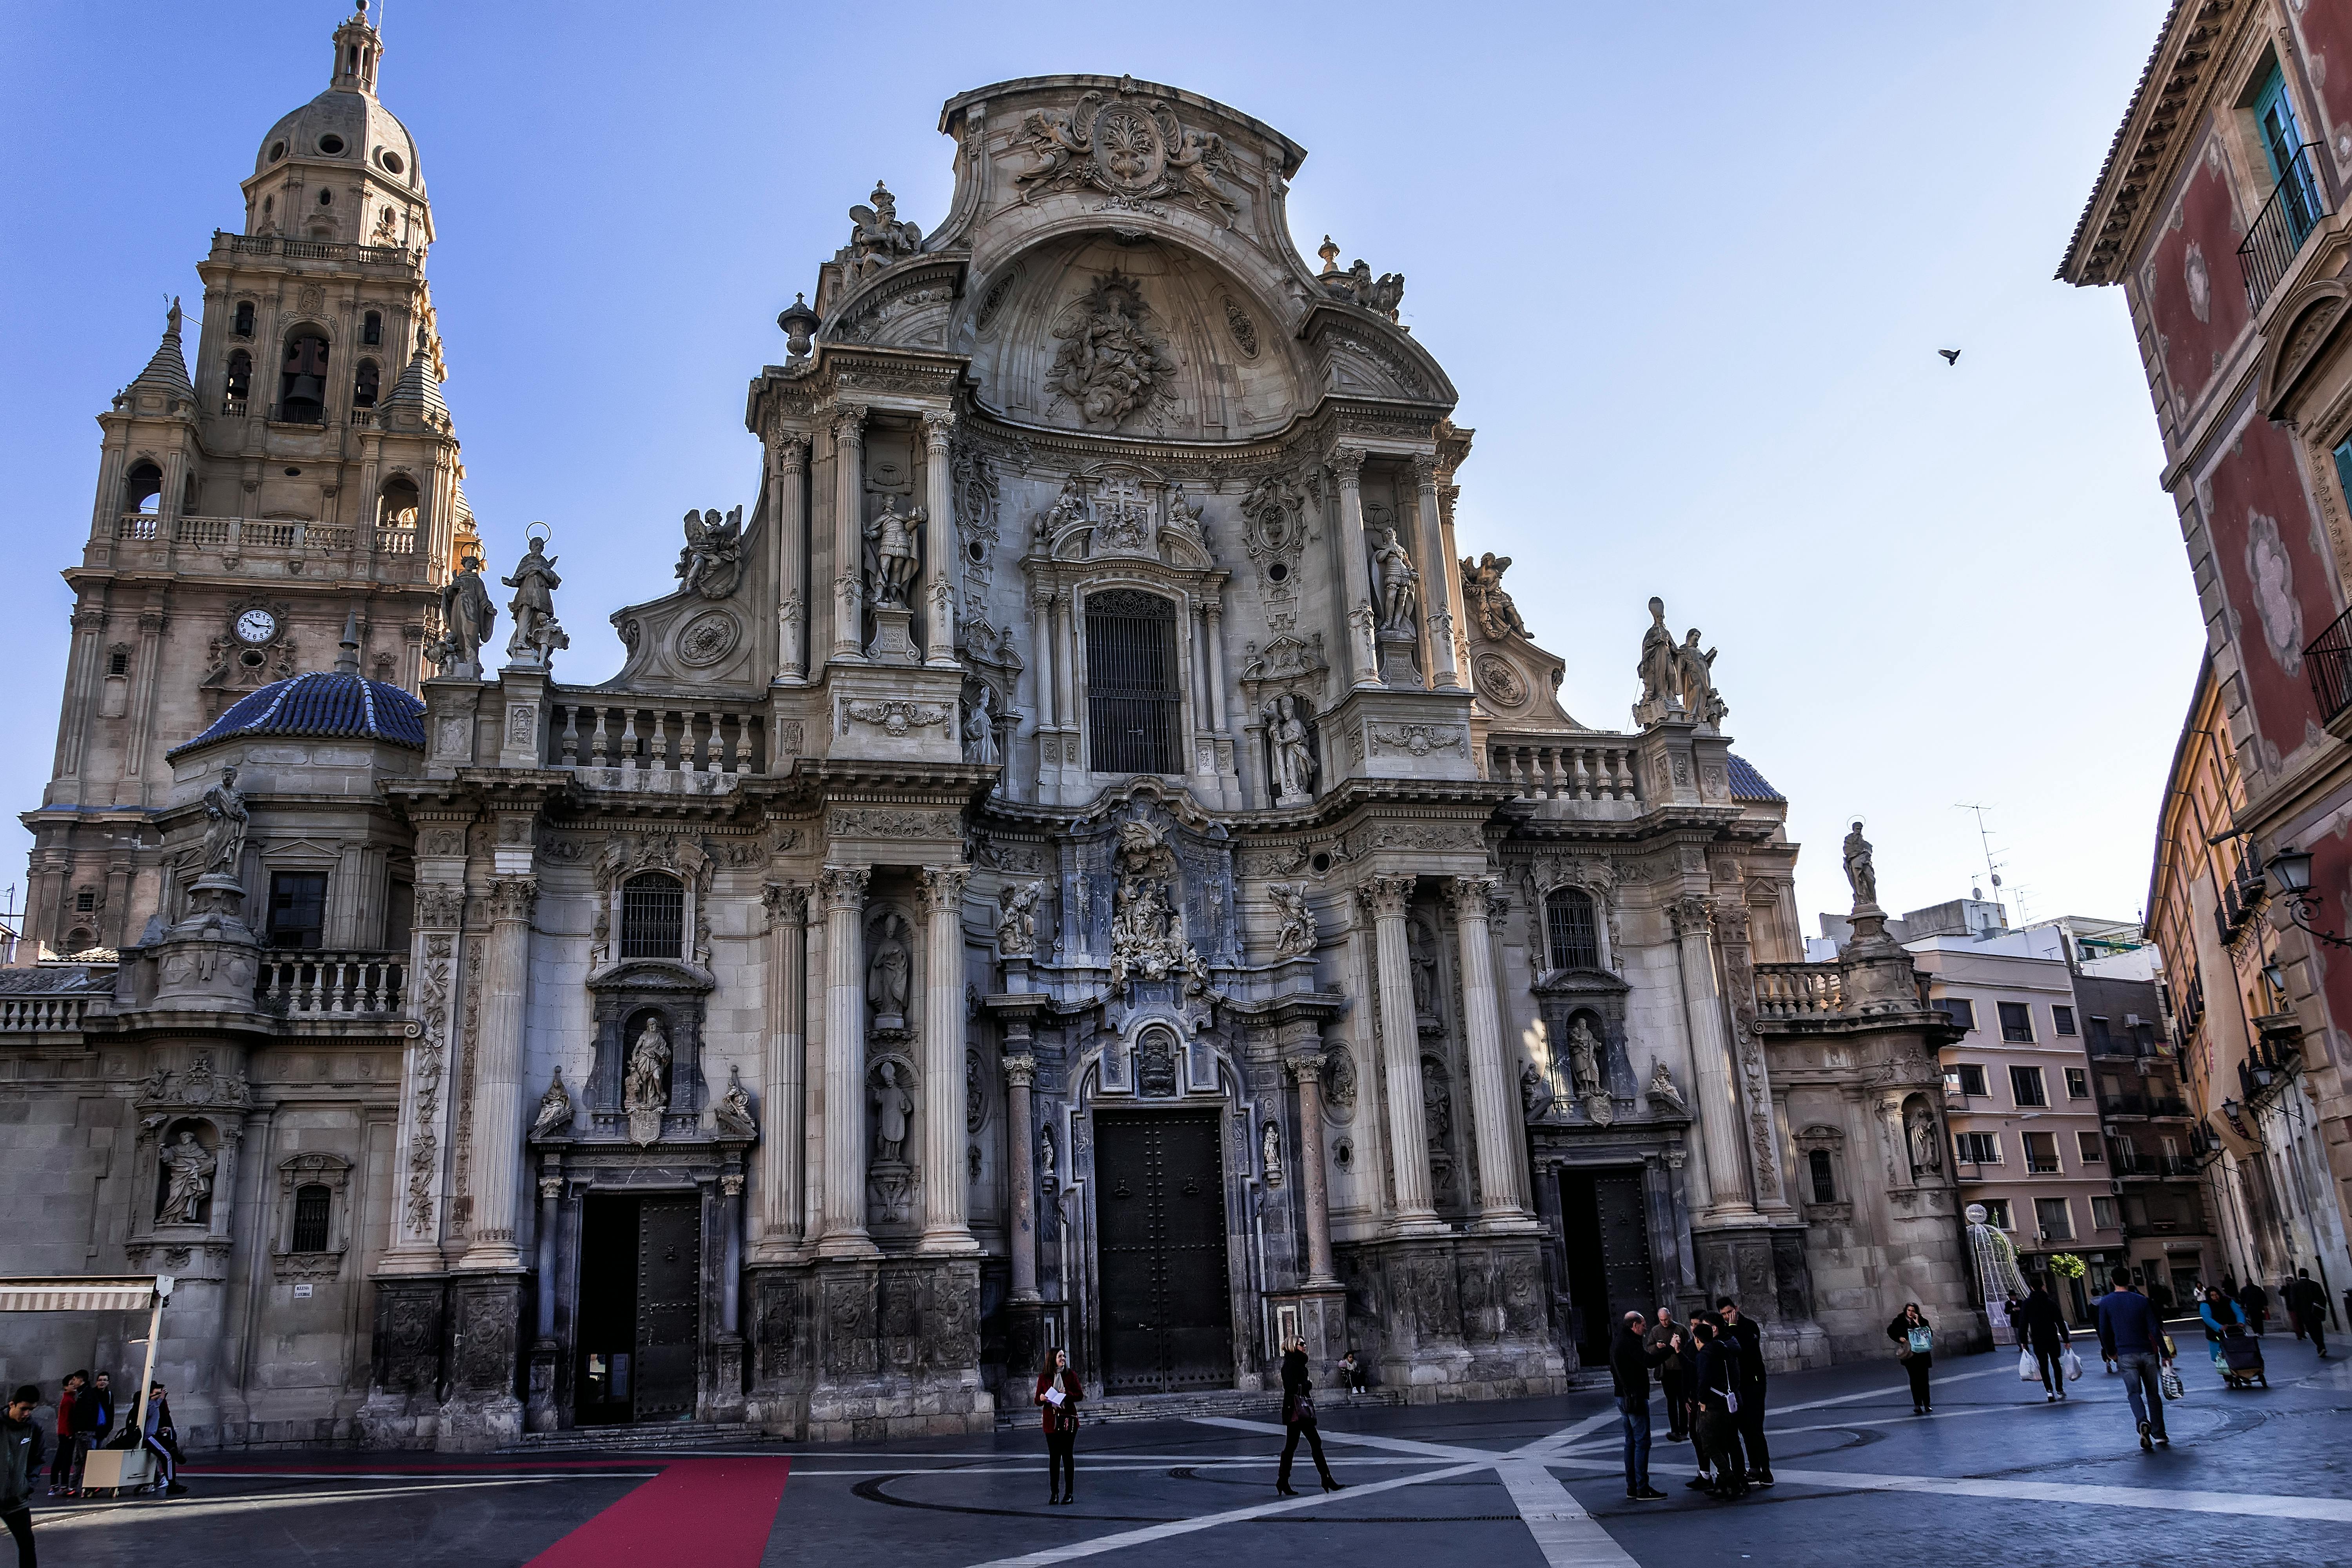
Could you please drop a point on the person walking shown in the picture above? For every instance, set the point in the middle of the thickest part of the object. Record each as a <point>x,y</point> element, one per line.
<point>1674,1371</point>
<point>1298,1415</point>
<point>20,1461</point>
<point>2107,1362</point>
<point>1058,1393</point>
<point>2255,1302</point>
<point>2309,1304</point>
<point>61,1463</point>
<point>2220,1315</point>
<point>1749,1337</point>
<point>93,1418</point>
<point>1714,1427</point>
<point>2042,1329</point>
<point>1915,1347</point>
<point>2132,1335</point>
<point>1629,1361</point>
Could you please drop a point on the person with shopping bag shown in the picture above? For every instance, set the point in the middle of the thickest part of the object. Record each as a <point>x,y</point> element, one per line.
<point>1915,1347</point>
<point>2041,1330</point>
<point>2219,1314</point>
<point>1058,1394</point>
<point>2132,1335</point>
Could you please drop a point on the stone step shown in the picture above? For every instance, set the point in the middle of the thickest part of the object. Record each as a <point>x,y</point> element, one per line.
<point>1247,1405</point>
<point>623,1438</point>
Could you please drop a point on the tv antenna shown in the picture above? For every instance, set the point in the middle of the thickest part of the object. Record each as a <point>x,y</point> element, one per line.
<point>1984,837</point>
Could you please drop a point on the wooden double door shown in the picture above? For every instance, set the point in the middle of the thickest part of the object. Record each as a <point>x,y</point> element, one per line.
<point>1167,1311</point>
<point>1607,1232</point>
<point>640,1308</point>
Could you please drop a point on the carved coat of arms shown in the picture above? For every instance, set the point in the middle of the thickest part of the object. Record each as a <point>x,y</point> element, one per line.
<point>1127,147</point>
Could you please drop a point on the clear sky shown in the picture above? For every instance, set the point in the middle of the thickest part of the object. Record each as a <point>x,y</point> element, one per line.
<point>1688,265</point>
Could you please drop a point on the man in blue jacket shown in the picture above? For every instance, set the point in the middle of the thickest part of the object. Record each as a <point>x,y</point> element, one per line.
<point>2131,1334</point>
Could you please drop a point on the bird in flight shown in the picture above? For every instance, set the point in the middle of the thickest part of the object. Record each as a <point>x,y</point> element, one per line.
<point>1952,356</point>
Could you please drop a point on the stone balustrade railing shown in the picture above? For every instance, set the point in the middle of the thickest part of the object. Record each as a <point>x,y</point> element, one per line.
<point>314,249</point>
<point>44,1014</point>
<point>250,535</point>
<point>1553,768</point>
<point>306,982</point>
<point>1799,990</point>
<point>656,740</point>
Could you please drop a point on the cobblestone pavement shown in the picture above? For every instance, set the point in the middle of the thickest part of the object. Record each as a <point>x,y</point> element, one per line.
<point>1995,1475</point>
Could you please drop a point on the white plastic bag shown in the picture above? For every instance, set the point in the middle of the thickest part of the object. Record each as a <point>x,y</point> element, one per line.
<point>2072,1363</point>
<point>2028,1370</point>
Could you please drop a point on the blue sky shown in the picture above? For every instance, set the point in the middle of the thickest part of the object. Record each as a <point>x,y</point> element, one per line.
<point>1689,267</point>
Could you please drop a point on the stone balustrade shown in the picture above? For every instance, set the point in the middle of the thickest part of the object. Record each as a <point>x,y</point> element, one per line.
<point>314,249</point>
<point>256,535</point>
<point>1551,767</point>
<point>665,740</point>
<point>307,982</point>
<point>1799,990</point>
<point>44,1014</point>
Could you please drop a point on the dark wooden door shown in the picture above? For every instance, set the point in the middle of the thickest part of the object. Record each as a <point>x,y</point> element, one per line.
<point>1166,1313</point>
<point>669,1300</point>
<point>1625,1243</point>
<point>1607,1254</point>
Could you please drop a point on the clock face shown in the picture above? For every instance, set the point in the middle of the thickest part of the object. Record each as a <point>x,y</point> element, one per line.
<point>256,626</point>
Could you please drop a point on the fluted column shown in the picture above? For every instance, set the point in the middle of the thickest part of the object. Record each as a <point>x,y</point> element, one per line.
<point>848,531</point>
<point>497,1077</point>
<point>784,1087</point>
<point>1385,898</point>
<point>1215,615</point>
<point>1436,574</point>
<point>938,533</point>
<point>1307,1068</point>
<point>945,1197</point>
<point>1710,1041</point>
<point>1021,1153</point>
<point>1356,567</point>
<point>1493,1097</point>
<point>790,529</point>
<point>1062,623</point>
<point>844,888</point>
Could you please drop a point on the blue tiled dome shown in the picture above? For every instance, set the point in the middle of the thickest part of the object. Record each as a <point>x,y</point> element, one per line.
<point>1747,784</point>
<point>322,702</point>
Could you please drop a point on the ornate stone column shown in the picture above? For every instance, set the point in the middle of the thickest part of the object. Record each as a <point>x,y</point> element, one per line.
<point>1494,1097</point>
<point>1356,567</point>
<point>497,1076</point>
<point>785,1087</point>
<point>945,1197</point>
<point>1710,1041</point>
<point>1437,572</point>
<point>844,888</point>
<point>1385,898</point>
<point>939,537</point>
<point>849,530</point>
<point>1020,1138</point>
<point>1062,627</point>
<point>791,532</point>
<point>1307,1068</point>
<point>1219,718</point>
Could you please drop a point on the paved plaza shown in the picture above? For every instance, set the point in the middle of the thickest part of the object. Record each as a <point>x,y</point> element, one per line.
<point>1995,1475</point>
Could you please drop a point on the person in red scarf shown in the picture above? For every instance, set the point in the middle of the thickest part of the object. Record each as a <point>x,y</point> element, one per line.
<point>1058,1393</point>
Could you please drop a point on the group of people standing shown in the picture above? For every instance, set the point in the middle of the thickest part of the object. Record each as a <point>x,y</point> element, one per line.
<point>85,1420</point>
<point>2304,1302</point>
<point>1712,1372</point>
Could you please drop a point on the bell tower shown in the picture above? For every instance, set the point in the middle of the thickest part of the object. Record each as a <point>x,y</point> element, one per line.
<point>298,469</point>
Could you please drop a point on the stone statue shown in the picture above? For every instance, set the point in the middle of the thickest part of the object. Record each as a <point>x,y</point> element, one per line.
<point>1296,936</point>
<point>979,731</point>
<point>1927,1143</point>
<point>1422,955</point>
<point>1662,1087</point>
<point>225,824</point>
<point>1436,1100</point>
<point>893,1107</point>
<point>555,1107</point>
<point>467,615</point>
<point>732,1114</point>
<point>887,972</point>
<point>1182,516</point>
<point>1490,604</point>
<point>189,1166</point>
<point>536,631</point>
<point>1657,665</point>
<point>1395,570</point>
<point>1535,1093</point>
<point>877,237</point>
<point>1045,1157</point>
<point>712,563</point>
<point>1270,1155</point>
<point>1016,925</point>
<point>1109,366</point>
<point>1294,757</point>
<point>891,538</point>
<point>647,1086</point>
<point>1859,872</point>
<point>1695,673</point>
<point>1584,1059</point>
<point>1069,507</point>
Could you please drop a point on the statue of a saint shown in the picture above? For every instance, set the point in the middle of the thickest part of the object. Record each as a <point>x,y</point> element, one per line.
<point>893,1107</point>
<point>533,606</point>
<point>892,538</point>
<point>225,824</point>
<point>1926,1144</point>
<point>1270,1155</point>
<point>1657,665</point>
<point>979,731</point>
<point>1182,515</point>
<point>189,1166</point>
<point>1584,1059</point>
<point>732,1114</point>
<point>1016,926</point>
<point>647,1087</point>
<point>1695,673</point>
<point>1395,570</point>
<point>1295,935</point>
<point>555,1109</point>
<point>1535,1093</point>
<point>1293,758</point>
<point>886,976</point>
<point>1859,872</point>
<point>466,616</point>
<point>1424,956</point>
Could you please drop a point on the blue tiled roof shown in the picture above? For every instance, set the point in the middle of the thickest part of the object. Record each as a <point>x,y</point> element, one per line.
<point>1747,784</point>
<point>322,702</point>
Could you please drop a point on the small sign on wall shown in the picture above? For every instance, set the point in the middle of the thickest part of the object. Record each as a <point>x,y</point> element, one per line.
<point>302,1292</point>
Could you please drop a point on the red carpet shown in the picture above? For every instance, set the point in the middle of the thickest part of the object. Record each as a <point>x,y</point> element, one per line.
<point>713,1513</point>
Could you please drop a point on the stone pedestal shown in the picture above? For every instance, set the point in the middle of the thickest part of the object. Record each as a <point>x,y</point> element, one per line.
<point>894,636</point>
<point>1318,1314</point>
<point>209,959</point>
<point>726,1401</point>
<point>409,1342</point>
<point>898,1350</point>
<point>544,1412</point>
<point>1398,671</point>
<point>481,1411</point>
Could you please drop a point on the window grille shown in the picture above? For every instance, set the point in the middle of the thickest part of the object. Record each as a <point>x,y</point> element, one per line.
<point>1824,1186</point>
<point>1131,692</point>
<point>1570,929</point>
<point>311,1217</point>
<point>652,916</point>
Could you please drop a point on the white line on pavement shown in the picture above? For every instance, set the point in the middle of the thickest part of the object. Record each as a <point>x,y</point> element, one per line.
<point>1904,1389</point>
<point>1567,1535</point>
<point>179,1509</point>
<point>1395,1445</point>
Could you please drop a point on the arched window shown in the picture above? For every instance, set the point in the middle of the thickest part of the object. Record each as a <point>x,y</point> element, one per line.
<point>243,327</point>
<point>1571,932</point>
<point>1131,694</point>
<point>397,507</point>
<point>239,385</point>
<point>371,328</point>
<point>311,1203</point>
<point>303,384</point>
<point>142,487</point>
<point>652,916</point>
<point>363,386</point>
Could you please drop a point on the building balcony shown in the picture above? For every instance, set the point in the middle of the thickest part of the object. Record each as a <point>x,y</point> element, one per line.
<point>2329,658</point>
<point>2143,1105</point>
<point>2150,1167</point>
<point>1555,767</point>
<point>278,246</point>
<point>311,983</point>
<point>2278,231</point>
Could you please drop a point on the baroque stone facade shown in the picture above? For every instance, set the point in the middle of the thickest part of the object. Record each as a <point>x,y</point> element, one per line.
<point>1082,858</point>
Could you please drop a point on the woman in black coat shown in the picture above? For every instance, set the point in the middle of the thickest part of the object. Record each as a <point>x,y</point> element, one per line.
<point>1914,1361</point>
<point>2043,1330</point>
<point>1715,1429</point>
<point>1298,1415</point>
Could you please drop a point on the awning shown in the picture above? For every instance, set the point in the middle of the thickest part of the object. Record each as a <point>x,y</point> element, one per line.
<point>78,1293</point>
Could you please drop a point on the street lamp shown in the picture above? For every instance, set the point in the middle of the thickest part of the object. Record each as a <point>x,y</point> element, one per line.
<point>2292,870</point>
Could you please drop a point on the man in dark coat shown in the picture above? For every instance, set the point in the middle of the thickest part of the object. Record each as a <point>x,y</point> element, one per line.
<point>2041,1330</point>
<point>2308,1302</point>
<point>1629,1362</point>
<point>1743,1333</point>
<point>20,1461</point>
<point>2256,1301</point>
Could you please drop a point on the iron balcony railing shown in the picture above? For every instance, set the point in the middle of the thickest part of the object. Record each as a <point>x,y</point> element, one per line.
<point>2279,231</point>
<point>2329,661</point>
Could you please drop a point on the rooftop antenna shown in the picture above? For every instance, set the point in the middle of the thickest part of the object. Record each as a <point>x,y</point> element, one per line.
<point>1993,866</point>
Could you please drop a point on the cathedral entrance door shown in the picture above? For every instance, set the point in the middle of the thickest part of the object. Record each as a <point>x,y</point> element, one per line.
<point>1160,1201</point>
<point>640,1308</point>
<point>1607,1255</point>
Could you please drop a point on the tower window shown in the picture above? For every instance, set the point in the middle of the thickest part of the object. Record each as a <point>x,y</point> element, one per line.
<point>371,327</point>
<point>652,916</point>
<point>118,662</point>
<point>277,151</point>
<point>1131,695</point>
<point>363,386</point>
<point>310,1206</point>
<point>398,506</point>
<point>142,487</point>
<point>302,385</point>
<point>86,901</point>
<point>243,327</point>
<point>297,908</point>
<point>240,378</point>
<point>327,198</point>
<point>1570,930</point>
<point>331,145</point>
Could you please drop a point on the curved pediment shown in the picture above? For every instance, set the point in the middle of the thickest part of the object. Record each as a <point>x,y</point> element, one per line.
<point>1360,355</point>
<point>651,974</point>
<point>2307,324</point>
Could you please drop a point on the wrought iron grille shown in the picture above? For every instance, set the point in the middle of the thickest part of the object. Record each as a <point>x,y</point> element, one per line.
<point>2329,661</point>
<point>311,1207</point>
<point>652,916</point>
<point>1569,924</point>
<point>2279,231</point>
<point>1131,694</point>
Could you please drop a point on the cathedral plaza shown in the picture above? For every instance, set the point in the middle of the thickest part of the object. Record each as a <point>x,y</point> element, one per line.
<point>1083,924</point>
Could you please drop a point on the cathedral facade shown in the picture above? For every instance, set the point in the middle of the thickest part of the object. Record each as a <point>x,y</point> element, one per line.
<point>1082,858</point>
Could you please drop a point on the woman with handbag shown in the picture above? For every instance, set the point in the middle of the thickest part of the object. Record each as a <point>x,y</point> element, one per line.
<point>1915,1347</point>
<point>1058,1393</point>
<point>1299,1416</point>
<point>2043,1330</point>
<point>1715,1430</point>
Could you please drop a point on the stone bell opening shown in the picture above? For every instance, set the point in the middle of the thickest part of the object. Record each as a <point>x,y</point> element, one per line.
<point>1167,1314</point>
<point>1607,1255</point>
<point>640,1301</point>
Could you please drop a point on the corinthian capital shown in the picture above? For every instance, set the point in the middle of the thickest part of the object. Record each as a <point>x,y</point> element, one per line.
<point>1470,896</point>
<point>1347,462</point>
<point>792,451</point>
<point>1020,1070</point>
<point>849,422</point>
<point>1305,1066</point>
<point>511,899</point>
<point>1386,896</point>
<point>941,888</point>
<point>939,424</point>
<point>844,886</point>
<point>786,903</point>
<point>1692,914</point>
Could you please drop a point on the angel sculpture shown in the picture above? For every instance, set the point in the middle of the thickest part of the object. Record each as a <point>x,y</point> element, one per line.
<point>1016,928</point>
<point>877,237</point>
<point>1296,936</point>
<point>712,562</point>
<point>1192,157</point>
<point>1056,142</point>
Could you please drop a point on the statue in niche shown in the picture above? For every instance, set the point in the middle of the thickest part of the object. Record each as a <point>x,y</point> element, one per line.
<point>1695,673</point>
<point>1657,667</point>
<point>1293,758</point>
<point>1155,1063</point>
<point>555,1109</point>
<point>893,1109</point>
<point>1294,938</point>
<point>189,1168</point>
<point>1584,1059</point>
<point>1536,1095</point>
<point>732,1114</point>
<point>1927,1143</point>
<point>1109,365</point>
<point>1270,1155</point>
<point>1147,937</point>
<point>1860,874</point>
<point>979,731</point>
<point>1422,953</point>
<point>1436,1099</point>
<point>646,1087</point>
<point>1490,604</point>
<point>225,823</point>
<point>712,563</point>
<point>877,237</point>
<point>467,615</point>
<point>1016,925</point>
<point>1045,1158</point>
<point>891,540</point>
<point>1398,580</point>
<point>1069,507</point>
<point>887,973</point>
<point>536,631</point>
<point>1182,516</point>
